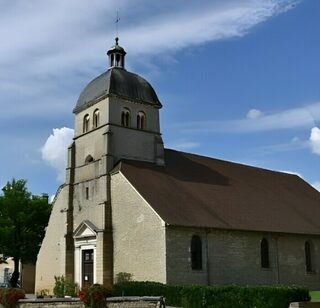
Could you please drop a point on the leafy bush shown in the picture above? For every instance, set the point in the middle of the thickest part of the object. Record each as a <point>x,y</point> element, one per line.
<point>123,277</point>
<point>195,296</point>
<point>9,297</point>
<point>71,289</point>
<point>58,289</point>
<point>42,293</point>
<point>95,295</point>
<point>63,287</point>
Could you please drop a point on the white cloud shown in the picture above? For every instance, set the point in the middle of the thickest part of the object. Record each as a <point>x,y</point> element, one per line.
<point>54,30</point>
<point>54,150</point>
<point>54,40</point>
<point>206,21</point>
<point>315,140</point>
<point>316,185</point>
<point>301,117</point>
<point>293,145</point>
<point>254,114</point>
<point>183,144</point>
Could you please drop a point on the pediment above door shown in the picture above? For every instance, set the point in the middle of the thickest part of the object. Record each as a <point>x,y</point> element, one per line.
<point>85,229</point>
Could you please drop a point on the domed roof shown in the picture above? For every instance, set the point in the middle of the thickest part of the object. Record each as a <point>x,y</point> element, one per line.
<point>118,82</point>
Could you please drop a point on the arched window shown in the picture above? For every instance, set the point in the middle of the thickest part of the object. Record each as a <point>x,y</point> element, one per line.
<point>86,121</point>
<point>96,118</point>
<point>308,250</point>
<point>125,118</point>
<point>141,120</point>
<point>196,253</point>
<point>264,253</point>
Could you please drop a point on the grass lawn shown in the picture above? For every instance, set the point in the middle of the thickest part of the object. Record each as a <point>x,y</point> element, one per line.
<point>315,296</point>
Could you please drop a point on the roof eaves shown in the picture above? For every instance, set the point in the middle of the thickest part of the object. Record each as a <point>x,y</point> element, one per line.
<point>213,228</point>
<point>94,101</point>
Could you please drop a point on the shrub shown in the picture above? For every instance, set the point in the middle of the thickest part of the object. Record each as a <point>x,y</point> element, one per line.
<point>9,297</point>
<point>95,295</point>
<point>123,277</point>
<point>63,287</point>
<point>58,289</point>
<point>195,296</point>
<point>71,289</point>
<point>42,293</point>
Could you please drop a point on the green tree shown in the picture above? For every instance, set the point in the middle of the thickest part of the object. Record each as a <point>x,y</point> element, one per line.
<point>3,260</point>
<point>23,219</point>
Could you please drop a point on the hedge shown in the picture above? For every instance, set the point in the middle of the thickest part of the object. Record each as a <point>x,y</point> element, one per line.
<point>195,296</point>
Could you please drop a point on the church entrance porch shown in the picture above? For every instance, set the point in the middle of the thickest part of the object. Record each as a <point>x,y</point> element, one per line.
<point>85,242</point>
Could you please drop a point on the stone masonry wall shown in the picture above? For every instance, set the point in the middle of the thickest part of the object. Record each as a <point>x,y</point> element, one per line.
<point>233,257</point>
<point>138,234</point>
<point>112,302</point>
<point>51,257</point>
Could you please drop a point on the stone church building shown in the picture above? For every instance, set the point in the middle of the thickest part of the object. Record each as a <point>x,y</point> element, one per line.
<point>130,205</point>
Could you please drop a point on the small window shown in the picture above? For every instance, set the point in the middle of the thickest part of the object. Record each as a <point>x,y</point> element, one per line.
<point>308,250</point>
<point>125,118</point>
<point>96,118</point>
<point>196,253</point>
<point>86,121</point>
<point>264,253</point>
<point>87,193</point>
<point>141,120</point>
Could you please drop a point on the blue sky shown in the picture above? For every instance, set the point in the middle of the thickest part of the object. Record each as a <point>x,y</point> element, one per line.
<point>238,80</point>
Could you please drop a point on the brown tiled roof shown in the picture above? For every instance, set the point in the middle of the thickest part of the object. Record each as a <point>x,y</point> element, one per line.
<point>197,191</point>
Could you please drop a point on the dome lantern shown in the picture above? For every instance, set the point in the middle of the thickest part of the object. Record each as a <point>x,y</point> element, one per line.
<point>116,55</point>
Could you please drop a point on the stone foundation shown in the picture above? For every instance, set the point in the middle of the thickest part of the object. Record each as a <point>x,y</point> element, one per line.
<point>136,302</point>
<point>112,302</point>
<point>119,302</point>
<point>50,303</point>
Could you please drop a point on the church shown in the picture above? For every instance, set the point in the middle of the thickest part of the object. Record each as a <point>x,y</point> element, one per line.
<point>130,205</point>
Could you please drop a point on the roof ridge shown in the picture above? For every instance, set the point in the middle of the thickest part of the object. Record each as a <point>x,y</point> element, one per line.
<point>235,163</point>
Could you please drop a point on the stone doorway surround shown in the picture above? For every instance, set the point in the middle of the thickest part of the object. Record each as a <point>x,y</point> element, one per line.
<point>85,239</point>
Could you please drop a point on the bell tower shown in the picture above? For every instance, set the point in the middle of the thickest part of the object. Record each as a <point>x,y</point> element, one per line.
<point>116,118</point>
<point>123,106</point>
